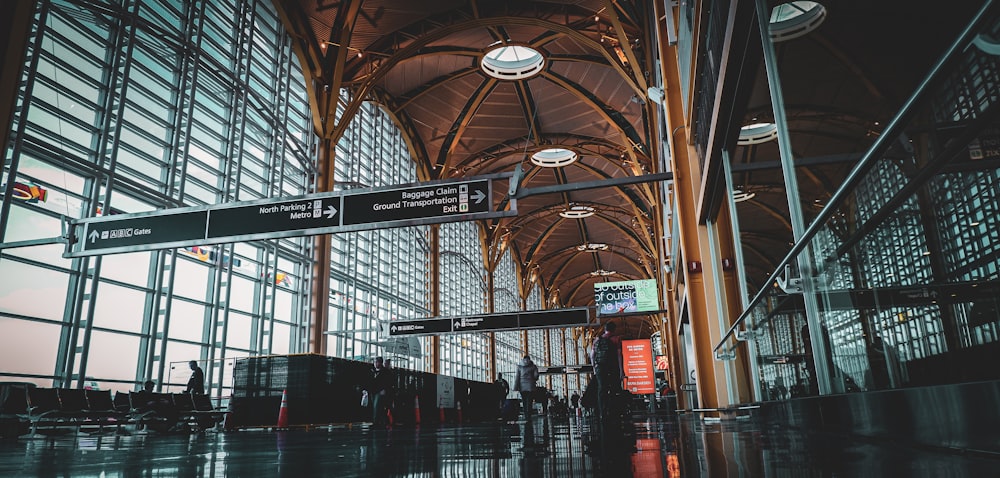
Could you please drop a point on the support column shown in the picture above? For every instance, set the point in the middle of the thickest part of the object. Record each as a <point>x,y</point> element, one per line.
<point>320,306</point>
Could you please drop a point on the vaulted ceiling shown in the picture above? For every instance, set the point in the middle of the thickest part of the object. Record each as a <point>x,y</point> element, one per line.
<point>421,61</point>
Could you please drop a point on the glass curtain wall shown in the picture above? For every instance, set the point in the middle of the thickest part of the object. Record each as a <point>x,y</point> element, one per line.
<point>380,275</point>
<point>137,106</point>
<point>506,299</point>
<point>463,292</point>
<point>907,261</point>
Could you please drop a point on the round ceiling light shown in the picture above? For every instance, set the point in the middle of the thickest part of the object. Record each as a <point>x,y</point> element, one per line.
<point>740,195</point>
<point>602,272</point>
<point>794,19</point>
<point>757,133</point>
<point>512,62</point>
<point>577,212</point>
<point>554,157</point>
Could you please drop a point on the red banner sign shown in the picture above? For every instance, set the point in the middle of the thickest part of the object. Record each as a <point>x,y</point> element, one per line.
<point>638,359</point>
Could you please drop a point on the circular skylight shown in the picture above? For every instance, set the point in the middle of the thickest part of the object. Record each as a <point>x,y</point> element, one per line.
<point>794,19</point>
<point>757,133</point>
<point>577,212</point>
<point>554,157</point>
<point>512,62</point>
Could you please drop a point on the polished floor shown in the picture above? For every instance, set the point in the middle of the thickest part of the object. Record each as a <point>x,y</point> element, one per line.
<point>542,446</point>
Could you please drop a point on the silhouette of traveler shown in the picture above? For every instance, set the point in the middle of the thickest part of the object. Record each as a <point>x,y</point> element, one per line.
<point>196,384</point>
<point>605,355</point>
<point>524,382</point>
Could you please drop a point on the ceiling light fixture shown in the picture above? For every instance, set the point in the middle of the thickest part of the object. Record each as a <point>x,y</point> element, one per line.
<point>602,272</point>
<point>592,247</point>
<point>739,195</point>
<point>757,133</point>
<point>512,62</point>
<point>577,212</point>
<point>554,157</point>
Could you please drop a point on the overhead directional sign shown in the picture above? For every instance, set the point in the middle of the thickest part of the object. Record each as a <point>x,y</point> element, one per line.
<point>323,213</point>
<point>144,230</point>
<point>553,318</point>
<point>417,202</point>
<point>566,369</point>
<point>492,322</point>
<point>420,327</point>
<point>299,214</point>
<point>483,323</point>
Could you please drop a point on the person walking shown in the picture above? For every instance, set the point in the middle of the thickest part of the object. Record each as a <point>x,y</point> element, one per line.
<point>524,382</point>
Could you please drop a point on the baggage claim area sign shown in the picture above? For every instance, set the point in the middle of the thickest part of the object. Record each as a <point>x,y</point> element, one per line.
<point>322,213</point>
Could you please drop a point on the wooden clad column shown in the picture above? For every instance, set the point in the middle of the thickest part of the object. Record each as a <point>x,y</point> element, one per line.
<point>320,306</point>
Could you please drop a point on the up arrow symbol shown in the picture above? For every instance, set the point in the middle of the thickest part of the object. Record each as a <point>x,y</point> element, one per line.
<point>93,236</point>
<point>330,212</point>
<point>479,196</point>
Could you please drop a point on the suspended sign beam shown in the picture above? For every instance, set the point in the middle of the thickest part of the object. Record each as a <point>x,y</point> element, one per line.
<point>537,319</point>
<point>322,213</point>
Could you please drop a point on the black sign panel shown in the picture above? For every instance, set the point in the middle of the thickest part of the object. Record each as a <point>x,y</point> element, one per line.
<point>294,215</point>
<point>565,369</point>
<point>554,318</point>
<point>419,327</point>
<point>451,199</point>
<point>481,323</point>
<point>144,230</point>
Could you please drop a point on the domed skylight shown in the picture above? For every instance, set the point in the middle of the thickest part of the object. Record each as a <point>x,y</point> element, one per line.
<point>512,62</point>
<point>794,19</point>
<point>554,158</point>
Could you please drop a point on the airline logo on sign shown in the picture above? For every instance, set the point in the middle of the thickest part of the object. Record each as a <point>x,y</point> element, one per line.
<point>637,357</point>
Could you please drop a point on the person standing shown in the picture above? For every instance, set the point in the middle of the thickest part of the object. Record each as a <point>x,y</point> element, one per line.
<point>524,382</point>
<point>378,391</point>
<point>503,388</point>
<point>196,384</point>
<point>605,355</point>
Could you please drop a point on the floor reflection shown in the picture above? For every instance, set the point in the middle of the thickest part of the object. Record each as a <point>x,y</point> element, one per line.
<point>540,447</point>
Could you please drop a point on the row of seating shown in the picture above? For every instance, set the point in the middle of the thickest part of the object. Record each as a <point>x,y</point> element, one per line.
<point>71,407</point>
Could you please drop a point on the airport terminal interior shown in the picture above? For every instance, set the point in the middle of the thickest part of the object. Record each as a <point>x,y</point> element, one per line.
<point>218,217</point>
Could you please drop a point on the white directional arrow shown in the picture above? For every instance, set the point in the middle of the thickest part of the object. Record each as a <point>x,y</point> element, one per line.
<point>479,196</point>
<point>393,328</point>
<point>330,212</point>
<point>458,323</point>
<point>93,236</point>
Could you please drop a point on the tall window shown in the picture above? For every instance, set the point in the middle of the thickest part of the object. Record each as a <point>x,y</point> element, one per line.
<point>463,291</point>
<point>505,299</point>
<point>138,106</point>
<point>380,275</point>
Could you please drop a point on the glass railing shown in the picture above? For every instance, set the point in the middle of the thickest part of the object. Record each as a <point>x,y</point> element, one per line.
<point>904,261</point>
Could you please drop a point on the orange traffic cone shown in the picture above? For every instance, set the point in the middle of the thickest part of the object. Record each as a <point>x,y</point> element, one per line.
<point>416,410</point>
<point>283,412</point>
